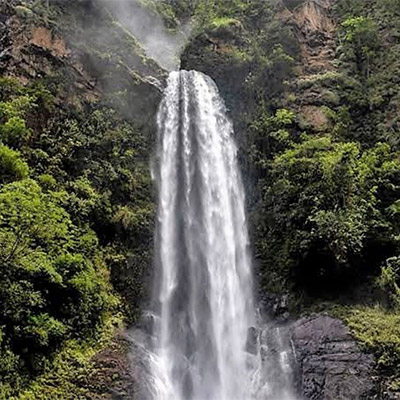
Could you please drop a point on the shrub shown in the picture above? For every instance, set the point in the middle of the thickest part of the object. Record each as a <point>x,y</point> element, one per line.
<point>388,281</point>
<point>12,166</point>
<point>378,331</point>
<point>52,287</point>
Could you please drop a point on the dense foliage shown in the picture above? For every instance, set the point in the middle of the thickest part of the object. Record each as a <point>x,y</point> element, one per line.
<point>330,211</point>
<point>326,214</point>
<point>74,198</point>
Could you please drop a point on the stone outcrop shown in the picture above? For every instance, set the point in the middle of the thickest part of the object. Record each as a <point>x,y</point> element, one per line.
<point>119,372</point>
<point>315,27</point>
<point>326,363</point>
<point>83,68</point>
<point>32,52</point>
<point>44,39</point>
<point>111,376</point>
<point>331,365</point>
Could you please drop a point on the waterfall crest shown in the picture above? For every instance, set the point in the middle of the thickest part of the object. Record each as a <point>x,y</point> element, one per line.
<point>203,289</point>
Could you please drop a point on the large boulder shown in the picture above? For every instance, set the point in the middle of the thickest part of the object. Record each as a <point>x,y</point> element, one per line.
<point>331,364</point>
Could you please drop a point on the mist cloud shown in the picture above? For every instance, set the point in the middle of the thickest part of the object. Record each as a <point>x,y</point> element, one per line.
<point>149,29</point>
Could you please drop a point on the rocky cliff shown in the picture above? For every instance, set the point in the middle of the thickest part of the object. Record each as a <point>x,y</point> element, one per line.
<point>96,58</point>
<point>305,94</point>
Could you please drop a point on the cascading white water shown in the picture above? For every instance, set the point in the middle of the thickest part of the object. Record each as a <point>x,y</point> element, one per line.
<point>203,294</point>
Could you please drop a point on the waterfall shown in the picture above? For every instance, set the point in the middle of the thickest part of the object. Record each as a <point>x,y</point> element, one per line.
<point>203,295</point>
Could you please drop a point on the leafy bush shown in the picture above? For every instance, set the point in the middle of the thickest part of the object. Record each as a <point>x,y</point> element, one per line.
<point>327,208</point>
<point>361,42</point>
<point>12,166</point>
<point>270,135</point>
<point>224,22</point>
<point>389,280</point>
<point>13,128</point>
<point>49,290</point>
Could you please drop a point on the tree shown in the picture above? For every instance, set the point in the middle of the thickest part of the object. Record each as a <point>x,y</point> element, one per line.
<point>361,42</point>
<point>326,204</point>
<point>52,287</point>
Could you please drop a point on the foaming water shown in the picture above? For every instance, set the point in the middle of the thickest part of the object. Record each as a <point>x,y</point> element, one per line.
<point>206,344</point>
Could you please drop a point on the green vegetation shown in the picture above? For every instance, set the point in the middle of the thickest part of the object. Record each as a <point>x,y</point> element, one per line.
<point>67,374</point>
<point>75,213</point>
<point>327,211</point>
<point>326,219</point>
<point>76,200</point>
<point>378,330</point>
<point>224,22</point>
<point>52,270</point>
<point>388,282</point>
<point>12,167</point>
<point>361,42</point>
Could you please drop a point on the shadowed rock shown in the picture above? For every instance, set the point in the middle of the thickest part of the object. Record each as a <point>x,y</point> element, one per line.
<point>331,364</point>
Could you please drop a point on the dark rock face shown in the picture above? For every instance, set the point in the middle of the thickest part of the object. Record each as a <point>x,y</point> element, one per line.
<point>331,365</point>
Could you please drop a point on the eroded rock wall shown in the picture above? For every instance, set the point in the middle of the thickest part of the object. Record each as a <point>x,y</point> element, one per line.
<point>34,48</point>
<point>331,364</point>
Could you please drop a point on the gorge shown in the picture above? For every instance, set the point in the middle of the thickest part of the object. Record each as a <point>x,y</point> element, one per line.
<point>229,230</point>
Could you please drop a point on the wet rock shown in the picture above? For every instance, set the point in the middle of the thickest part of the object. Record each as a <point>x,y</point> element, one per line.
<point>331,364</point>
<point>275,307</point>
<point>3,18</point>
<point>112,376</point>
<point>252,340</point>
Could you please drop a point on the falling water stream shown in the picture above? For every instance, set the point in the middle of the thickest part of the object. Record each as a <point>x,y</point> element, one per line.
<point>207,339</point>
